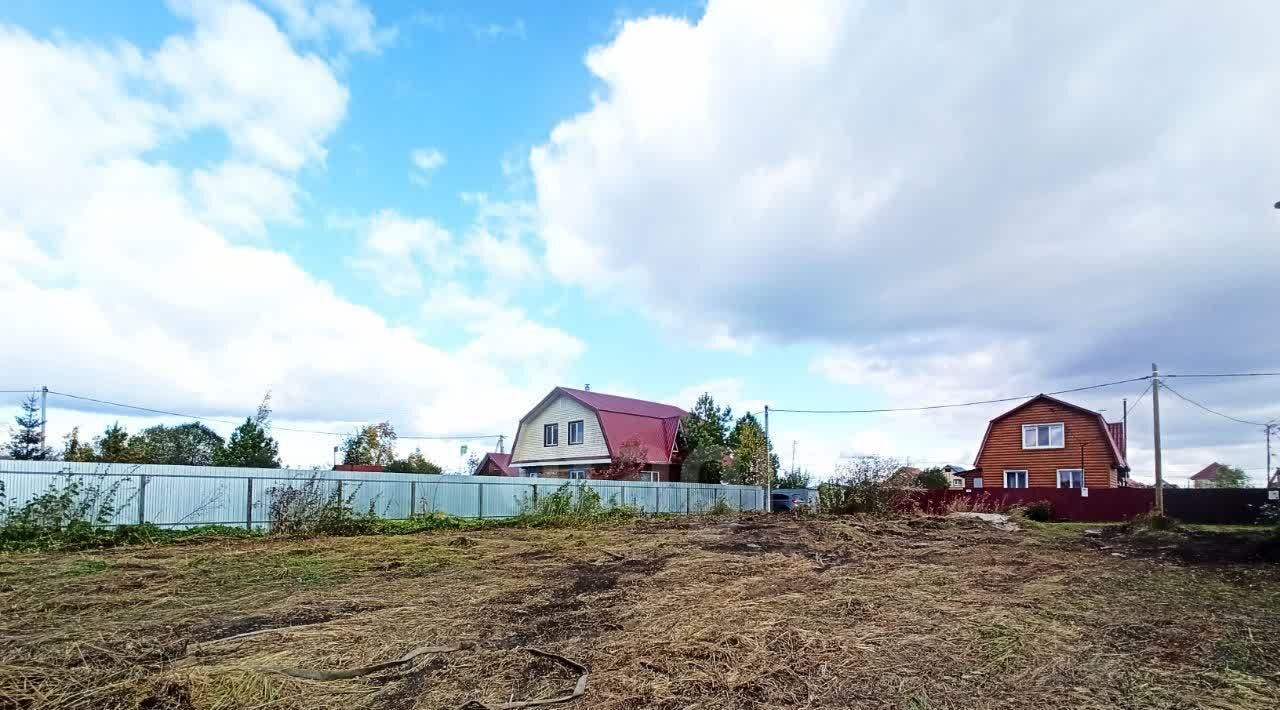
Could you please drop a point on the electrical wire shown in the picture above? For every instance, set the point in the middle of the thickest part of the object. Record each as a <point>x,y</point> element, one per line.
<point>30,391</point>
<point>274,427</point>
<point>1230,374</point>
<point>1190,401</point>
<point>1139,399</point>
<point>958,404</point>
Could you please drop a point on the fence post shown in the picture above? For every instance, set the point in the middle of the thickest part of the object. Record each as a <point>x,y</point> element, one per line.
<point>413,498</point>
<point>534,486</point>
<point>480,500</point>
<point>340,501</point>
<point>688,509</point>
<point>740,492</point>
<point>248,505</point>
<point>142,499</point>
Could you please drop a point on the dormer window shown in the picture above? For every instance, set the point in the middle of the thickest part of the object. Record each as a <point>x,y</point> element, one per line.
<point>1042,436</point>
<point>550,434</point>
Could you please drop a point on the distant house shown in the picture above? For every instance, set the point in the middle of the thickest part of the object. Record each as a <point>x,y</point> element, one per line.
<point>575,433</point>
<point>1206,477</point>
<point>1048,443</point>
<point>495,464</point>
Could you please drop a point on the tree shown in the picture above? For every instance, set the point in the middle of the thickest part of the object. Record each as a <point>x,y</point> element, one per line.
<point>703,440</point>
<point>192,444</point>
<point>251,444</point>
<point>414,463</point>
<point>113,446</point>
<point>473,463</point>
<point>753,457</point>
<point>863,485</point>
<point>626,466</point>
<point>77,451</point>
<point>370,445</point>
<point>795,478</point>
<point>1231,477</point>
<point>933,477</point>
<point>26,442</point>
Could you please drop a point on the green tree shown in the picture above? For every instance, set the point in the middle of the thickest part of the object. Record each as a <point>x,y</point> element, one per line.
<point>114,446</point>
<point>753,457</point>
<point>370,445</point>
<point>192,444</point>
<point>75,450</point>
<point>251,444</point>
<point>933,477</point>
<point>795,478</point>
<point>26,442</point>
<point>703,440</point>
<point>1231,477</point>
<point>414,463</point>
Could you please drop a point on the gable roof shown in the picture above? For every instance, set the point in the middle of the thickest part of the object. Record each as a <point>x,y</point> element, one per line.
<point>500,461</point>
<point>1208,473</point>
<point>623,419</point>
<point>1108,434</point>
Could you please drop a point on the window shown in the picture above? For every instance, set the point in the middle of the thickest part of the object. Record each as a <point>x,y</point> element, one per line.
<point>977,482</point>
<point>1071,478</point>
<point>531,473</point>
<point>575,432</point>
<point>576,474</point>
<point>550,434</point>
<point>649,476</point>
<point>1015,479</point>
<point>1042,436</point>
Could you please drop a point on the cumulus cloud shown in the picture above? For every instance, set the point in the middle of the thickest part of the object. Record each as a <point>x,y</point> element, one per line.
<point>1039,194</point>
<point>119,281</point>
<point>397,249</point>
<point>346,22</point>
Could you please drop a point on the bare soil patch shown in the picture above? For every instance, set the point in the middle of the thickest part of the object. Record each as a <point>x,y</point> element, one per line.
<point>754,612</point>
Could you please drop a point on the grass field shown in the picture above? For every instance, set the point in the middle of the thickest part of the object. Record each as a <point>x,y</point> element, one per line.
<point>754,612</point>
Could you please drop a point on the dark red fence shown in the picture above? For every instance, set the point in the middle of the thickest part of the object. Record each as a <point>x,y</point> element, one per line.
<point>1101,505</point>
<point>1224,506</point>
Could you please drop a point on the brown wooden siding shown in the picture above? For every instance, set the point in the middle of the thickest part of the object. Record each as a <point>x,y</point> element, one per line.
<point>1003,450</point>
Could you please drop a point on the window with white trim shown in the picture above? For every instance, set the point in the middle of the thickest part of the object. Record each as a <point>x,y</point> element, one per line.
<point>531,473</point>
<point>576,429</point>
<point>1071,478</point>
<point>1015,479</point>
<point>649,476</point>
<point>577,474</point>
<point>550,434</point>
<point>1042,436</point>
<point>977,482</point>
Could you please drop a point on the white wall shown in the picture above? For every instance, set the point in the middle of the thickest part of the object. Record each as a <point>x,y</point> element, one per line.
<point>561,410</point>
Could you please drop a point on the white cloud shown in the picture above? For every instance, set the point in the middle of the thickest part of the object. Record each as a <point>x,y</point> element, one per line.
<point>425,162</point>
<point>920,188</point>
<point>143,299</point>
<point>396,249</point>
<point>348,22</point>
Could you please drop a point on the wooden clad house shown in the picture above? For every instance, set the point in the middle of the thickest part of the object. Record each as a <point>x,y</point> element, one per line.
<point>1048,443</point>
<point>575,434</point>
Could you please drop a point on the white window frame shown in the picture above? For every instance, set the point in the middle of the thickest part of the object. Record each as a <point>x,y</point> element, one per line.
<point>554,438</point>
<point>649,476</point>
<point>1026,477</point>
<point>977,482</point>
<point>531,473</point>
<point>1050,445</point>
<point>577,474</point>
<point>1081,470</point>
<point>582,432</point>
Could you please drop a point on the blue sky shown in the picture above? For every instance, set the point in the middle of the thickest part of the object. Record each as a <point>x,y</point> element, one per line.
<point>817,207</point>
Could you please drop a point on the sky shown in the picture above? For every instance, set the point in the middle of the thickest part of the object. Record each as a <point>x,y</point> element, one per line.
<point>434,212</point>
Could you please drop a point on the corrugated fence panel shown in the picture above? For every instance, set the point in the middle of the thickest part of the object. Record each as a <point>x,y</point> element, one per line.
<point>184,496</point>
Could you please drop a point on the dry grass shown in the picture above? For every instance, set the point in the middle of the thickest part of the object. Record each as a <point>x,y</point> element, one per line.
<point>750,613</point>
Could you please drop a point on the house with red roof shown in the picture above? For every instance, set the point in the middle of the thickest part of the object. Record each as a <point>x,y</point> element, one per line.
<point>1046,442</point>
<point>495,464</point>
<point>577,434</point>
<point>1206,477</point>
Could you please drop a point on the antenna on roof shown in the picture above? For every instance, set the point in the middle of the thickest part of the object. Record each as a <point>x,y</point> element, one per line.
<point>587,387</point>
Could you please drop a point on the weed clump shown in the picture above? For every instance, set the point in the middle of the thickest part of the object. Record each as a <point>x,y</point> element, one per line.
<point>572,505</point>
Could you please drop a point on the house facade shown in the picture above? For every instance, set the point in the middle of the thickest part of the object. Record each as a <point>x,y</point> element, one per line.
<point>578,434</point>
<point>495,464</point>
<point>1206,477</point>
<point>1048,443</point>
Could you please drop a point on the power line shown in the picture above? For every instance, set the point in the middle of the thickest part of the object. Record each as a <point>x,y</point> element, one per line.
<point>33,390</point>
<point>1211,411</point>
<point>274,427</point>
<point>958,404</point>
<point>1139,399</point>
<point>1231,374</point>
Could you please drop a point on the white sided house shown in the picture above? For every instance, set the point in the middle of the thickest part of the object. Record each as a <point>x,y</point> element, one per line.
<point>578,433</point>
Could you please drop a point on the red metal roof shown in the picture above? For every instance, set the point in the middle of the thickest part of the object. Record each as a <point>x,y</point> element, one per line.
<point>362,467</point>
<point>622,419</point>
<point>1102,423</point>
<point>500,461</point>
<point>1116,430</point>
<point>1208,473</point>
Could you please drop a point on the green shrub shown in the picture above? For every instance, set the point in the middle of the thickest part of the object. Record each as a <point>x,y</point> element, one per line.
<point>720,507</point>
<point>311,507</point>
<point>71,516</point>
<point>572,505</point>
<point>1040,511</point>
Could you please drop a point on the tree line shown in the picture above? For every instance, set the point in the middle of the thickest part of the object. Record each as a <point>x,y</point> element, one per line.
<point>719,449</point>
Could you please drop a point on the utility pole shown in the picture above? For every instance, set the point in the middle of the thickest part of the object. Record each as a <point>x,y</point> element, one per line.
<point>1155,415</point>
<point>500,437</point>
<point>793,455</point>
<point>44,418</point>
<point>768,480</point>
<point>1273,479</point>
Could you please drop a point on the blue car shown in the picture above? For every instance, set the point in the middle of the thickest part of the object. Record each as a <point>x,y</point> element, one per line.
<point>786,500</point>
